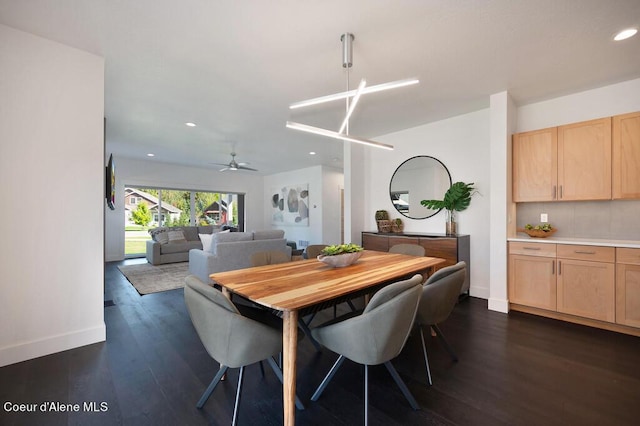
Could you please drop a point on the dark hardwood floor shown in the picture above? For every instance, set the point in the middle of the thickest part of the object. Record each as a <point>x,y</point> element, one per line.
<point>514,369</point>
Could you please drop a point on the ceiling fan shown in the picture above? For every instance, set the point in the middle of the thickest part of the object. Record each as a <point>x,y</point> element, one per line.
<point>233,165</point>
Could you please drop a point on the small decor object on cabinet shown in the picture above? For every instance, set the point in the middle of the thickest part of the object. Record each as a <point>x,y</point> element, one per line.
<point>397,226</point>
<point>539,231</point>
<point>340,255</point>
<point>382,220</point>
<point>456,199</point>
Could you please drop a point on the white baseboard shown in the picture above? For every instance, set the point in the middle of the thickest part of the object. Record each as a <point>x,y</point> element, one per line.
<point>499,305</point>
<point>53,344</point>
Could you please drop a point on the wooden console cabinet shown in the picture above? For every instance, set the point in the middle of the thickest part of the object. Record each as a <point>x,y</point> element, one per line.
<point>451,248</point>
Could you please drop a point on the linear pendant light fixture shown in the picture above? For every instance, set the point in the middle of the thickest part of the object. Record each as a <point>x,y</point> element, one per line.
<point>343,132</point>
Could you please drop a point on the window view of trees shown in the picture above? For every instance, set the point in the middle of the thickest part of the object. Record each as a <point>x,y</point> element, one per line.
<point>147,208</point>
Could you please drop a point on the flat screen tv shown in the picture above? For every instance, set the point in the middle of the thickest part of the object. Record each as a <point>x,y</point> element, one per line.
<point>110,181</point>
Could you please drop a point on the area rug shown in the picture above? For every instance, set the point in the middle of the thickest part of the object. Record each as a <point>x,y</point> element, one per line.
<point>147,278</point>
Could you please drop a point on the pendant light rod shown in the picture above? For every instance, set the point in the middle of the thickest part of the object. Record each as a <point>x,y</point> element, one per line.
<point>350,93</point>
<point>347,49</point>
<point>336,135</point>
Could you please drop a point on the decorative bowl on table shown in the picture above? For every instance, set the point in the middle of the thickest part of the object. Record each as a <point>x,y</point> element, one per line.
<point>340,255</point>
<point>545,232</point>
<point>340,260</point>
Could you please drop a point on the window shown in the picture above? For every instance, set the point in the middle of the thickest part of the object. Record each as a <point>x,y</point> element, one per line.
<point>153,207</point>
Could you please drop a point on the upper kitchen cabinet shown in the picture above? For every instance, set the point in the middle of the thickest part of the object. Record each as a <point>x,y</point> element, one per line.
<point>565,163</point>
<point>626,156</point>
<point>535,165</point>
<point>584,160</point>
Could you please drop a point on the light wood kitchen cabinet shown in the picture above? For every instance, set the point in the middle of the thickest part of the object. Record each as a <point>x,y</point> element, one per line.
<point>570,279</point>
<point>535,165</point>
<point>584,160</point>
<point>566,163</point>
<point>532,277</point>
<point>626,156</point>
<point>586,281</point>
<point>628,286</point>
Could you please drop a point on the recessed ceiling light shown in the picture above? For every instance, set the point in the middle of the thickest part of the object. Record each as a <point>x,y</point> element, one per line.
<point>312,153</point>
<point>190,124</point>
<point>151,155</point>
<point>625,34</point>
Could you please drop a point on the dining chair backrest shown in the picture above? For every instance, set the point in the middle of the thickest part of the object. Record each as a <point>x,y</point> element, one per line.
<point>410,249</point>
<point>440,294</point>
<point>314,250</point>
<point>269,258</point>
<point>380,332</point>
<point>229,338</point>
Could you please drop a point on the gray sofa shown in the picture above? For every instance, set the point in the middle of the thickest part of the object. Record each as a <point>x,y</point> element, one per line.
<point>231,251</point>
<point>162,249</point>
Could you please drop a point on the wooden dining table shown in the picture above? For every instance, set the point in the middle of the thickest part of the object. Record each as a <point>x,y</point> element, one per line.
<point>302,286</point>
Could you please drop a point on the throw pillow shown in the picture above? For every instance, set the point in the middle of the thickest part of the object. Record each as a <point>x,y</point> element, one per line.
<point>207,240</point>
<point>159,235</point>
<point>176,237</point>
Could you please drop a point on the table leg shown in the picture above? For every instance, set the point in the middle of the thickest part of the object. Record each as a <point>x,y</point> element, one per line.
<point>289,354</point>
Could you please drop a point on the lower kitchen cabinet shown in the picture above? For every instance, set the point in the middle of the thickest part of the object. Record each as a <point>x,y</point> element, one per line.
<point>628,286</point>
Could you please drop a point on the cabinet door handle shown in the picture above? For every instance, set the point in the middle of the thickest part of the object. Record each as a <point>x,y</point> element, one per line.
<point>584,252</point>
<point>531,248</point>
<point>553,195</point>
<point>560,191</point>
<point>553,267</point>
<point>559,267</point>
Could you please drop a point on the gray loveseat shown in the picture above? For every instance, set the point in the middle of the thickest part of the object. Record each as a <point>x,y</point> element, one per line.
<point>167,246</point>
<point>231,251</point>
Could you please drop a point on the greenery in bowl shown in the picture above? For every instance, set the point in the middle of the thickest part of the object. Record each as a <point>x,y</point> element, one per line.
<point>337,249</point>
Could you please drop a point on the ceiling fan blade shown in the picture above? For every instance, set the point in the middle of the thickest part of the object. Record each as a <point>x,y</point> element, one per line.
<point>224,169</point>
<point>240,166</point>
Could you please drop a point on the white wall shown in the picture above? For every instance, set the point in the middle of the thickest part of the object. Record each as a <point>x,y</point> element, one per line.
<point>156,174</point>
<point>462,144</point>
<point>606,101</point>
<point>324,203</point>
<point>52,173</point>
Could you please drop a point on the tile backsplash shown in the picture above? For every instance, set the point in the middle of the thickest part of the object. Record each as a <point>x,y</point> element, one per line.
<point>615,220</point>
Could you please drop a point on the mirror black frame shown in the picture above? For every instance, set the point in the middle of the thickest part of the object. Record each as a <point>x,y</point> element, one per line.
<point>392,193</point>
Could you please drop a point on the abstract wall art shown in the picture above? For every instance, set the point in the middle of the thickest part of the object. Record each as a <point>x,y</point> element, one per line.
<point>290,205</point>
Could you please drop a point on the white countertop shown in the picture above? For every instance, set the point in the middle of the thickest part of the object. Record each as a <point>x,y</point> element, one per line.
<point>581,241</point>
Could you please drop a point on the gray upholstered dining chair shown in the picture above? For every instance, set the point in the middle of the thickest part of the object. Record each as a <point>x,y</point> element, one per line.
<point>312,251</point>
<point>262,258</point>
<point>229,337</point>
<point>439,296</point>
<point>410,249</point>
<point>374,337</point>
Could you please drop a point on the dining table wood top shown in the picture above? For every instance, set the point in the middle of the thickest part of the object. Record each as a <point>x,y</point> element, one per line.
<point>295,285</point>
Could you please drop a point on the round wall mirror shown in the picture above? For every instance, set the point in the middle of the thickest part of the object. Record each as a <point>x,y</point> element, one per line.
<point>418,178</point>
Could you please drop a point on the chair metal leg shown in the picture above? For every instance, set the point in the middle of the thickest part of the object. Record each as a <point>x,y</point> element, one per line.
<point>445,343</point>
<point>238,391</point>
<point>426,359</point>
<point>353,308</point>
<point>366,395</point>
<point>403,387</point>
<point>207,393</point>
<point>327,378</point>
<point>278,373</point>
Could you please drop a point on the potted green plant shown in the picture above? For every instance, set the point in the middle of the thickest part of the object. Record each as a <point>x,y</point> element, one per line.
<point>456,199</point>
<point>396,225</point>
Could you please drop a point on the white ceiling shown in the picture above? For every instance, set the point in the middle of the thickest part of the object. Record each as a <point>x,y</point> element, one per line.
<point>233,67</point>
